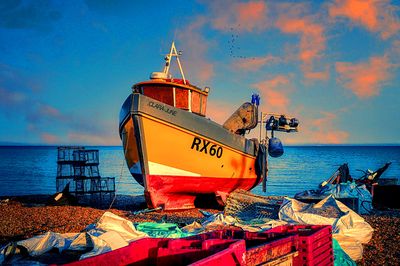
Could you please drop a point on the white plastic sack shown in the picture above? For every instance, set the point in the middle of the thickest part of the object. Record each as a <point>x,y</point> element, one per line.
<point>343,220</point>
<point>112,222</point>
<point>193,228</point>
<point>105,242</point>
<point>109,233</point>
<point>39,245</point>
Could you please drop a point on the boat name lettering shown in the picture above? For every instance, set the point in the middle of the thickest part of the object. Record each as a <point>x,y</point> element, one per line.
<point>162,107</point>
<point>202,145</point>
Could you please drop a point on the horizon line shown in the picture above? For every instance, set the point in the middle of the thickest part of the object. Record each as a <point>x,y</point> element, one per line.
<point>5,144</point>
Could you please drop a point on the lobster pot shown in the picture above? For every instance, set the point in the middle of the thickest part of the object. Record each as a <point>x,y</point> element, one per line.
<point>79,167</point>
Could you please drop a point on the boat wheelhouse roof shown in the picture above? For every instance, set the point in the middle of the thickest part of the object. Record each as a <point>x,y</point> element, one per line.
<point>171,82</point>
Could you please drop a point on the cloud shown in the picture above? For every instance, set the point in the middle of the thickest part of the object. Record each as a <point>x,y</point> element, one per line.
<point>324,131</point>
<point>242,17</point>
<point>219,111</point>
<point>274,93</point>
<point>49,138</point>
<point>394,52</point>
<point>311,74</point>
<point>11,98</point>
<point>320,128</point>
<point>107,6</point>
<point>20,97</point>
<point>17,80</point>
<point>195,48</point>
<point>93,139</point>
<point>295,19</point>
<point>376,16</point>
<point>50,111</point>
<point>365,79</point>
<point>40,112</point>
<point>30,14</point>
<point>255,63</point>
<point>16,88</point>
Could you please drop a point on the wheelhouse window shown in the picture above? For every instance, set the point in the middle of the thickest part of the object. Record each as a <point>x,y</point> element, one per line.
<point>163,94</point>
<point>182,98</point>
<point>179,97</point>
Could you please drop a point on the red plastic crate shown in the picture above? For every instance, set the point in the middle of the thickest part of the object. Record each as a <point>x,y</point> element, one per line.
<point>286,260</point>
<point>260,251</point>
<point>138,252</point>
<point>232,255</point>
<point>260,247</point>
<point>163,251</point>
<point>315,243</point>
<point>202,252</point>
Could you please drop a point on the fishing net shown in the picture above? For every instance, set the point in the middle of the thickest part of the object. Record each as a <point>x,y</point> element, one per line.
<point>246,206</point>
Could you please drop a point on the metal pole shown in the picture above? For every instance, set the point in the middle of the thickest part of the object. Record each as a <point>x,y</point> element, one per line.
<point>261,126</point>
<point>168,63</point>
<point>264,170</point>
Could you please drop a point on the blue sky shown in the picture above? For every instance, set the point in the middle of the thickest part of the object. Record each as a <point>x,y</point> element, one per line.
<point>67,66</point>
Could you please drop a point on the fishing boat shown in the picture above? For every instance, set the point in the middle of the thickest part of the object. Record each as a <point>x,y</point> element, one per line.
<point>178,154</point>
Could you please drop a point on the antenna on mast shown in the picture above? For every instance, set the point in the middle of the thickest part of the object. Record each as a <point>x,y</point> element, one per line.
<point>174,53</point>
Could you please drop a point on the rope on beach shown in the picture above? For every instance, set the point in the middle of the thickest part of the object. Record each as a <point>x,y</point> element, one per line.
<point>116,187</point>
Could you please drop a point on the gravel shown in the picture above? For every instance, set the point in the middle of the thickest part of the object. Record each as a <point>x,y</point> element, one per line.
<point>22,218</point>
<point>384,247</point>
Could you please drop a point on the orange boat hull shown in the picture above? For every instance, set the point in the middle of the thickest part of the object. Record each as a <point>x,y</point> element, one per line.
<point>177,155</point>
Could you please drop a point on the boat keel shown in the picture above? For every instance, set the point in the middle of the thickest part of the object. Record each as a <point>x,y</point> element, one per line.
<point>169,201</point>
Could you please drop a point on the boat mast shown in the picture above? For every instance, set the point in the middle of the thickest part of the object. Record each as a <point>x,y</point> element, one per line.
<point>168,58</point>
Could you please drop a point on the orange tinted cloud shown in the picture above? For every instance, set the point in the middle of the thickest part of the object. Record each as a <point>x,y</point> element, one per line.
<point>330,137</point>
<point>49,111</point>
<point>293,19</point>
<point>394,52</point>
<point>274,93</point>
<point>220,111</point>
<point>49,138</point>
<point>255,63</point>
<point>365,79</point>
<point>195,48</point>
<point>93,139</point>
<point>10,98</point>
<point>322,130</point>
<point>311,74</point>
<point>241,16</point>
<point>376,16</point>
<point>396,46</point>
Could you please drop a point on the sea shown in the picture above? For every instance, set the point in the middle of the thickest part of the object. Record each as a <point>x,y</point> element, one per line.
<point>29,170</point>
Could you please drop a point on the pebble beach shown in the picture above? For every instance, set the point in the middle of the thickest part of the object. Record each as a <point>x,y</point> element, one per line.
<point>26,216</point>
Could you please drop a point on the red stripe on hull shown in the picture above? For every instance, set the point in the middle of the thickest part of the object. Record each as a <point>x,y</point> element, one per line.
<point>179,192</point>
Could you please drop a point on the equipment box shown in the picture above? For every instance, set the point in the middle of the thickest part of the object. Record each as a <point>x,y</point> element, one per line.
<point>387,196</point>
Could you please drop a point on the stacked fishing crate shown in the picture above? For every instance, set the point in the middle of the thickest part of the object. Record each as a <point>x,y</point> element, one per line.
<point>283,245</point>
<point>289,245</point>
<point>166,251</point>
<point>315,245</point>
